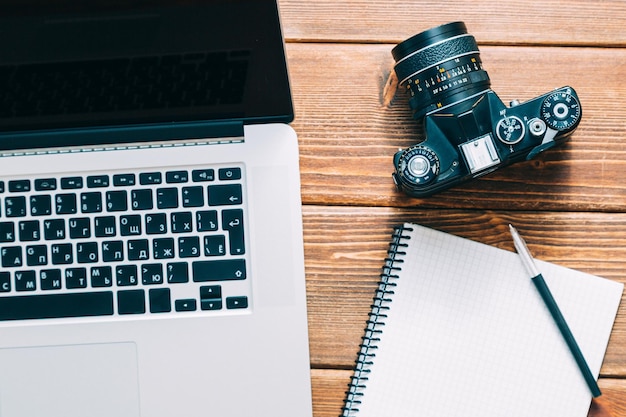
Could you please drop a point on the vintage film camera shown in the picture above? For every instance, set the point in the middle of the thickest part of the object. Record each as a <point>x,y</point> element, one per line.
<point>469,131</point>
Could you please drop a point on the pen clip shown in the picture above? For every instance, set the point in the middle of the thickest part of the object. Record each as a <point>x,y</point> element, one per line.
<point>524,252</point>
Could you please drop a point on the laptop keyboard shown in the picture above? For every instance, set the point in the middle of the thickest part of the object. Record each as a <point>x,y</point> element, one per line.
<point>123,244</point>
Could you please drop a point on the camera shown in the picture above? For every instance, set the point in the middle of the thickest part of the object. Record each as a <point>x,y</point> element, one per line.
<point>469,131</point>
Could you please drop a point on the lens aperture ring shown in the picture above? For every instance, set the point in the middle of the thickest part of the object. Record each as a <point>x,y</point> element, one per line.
<point>435,54</point>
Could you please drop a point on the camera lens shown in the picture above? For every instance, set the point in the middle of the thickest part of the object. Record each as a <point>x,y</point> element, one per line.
<point>440,66</point>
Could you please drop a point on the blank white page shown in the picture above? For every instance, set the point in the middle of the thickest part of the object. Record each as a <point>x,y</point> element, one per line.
<point>467,334</point>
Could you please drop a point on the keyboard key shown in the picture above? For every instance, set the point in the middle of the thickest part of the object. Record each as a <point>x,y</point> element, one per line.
<point>202,175</point>
<point>54,229</point>
<point>182,222</point>
<point>65,203</point>
<point>126,275</point>
<point>46,184</point>
<point>29,231</point>
<point>160,301</point>
<point>130,225</point>
<point>232,222</point>
<point>71,183</point>
<point>50,279</point>
<point>11,256</point>
<point>15,206</point>
<point>101,276</point>
<point>177,272</point>
<point>226,174</point>
<point>41,205</point>
<point>56,305</point>
<point>104,226</point>
<point>36,255</point>
<point>5,281</point>
<point>123,180</point>
<point>116,200</point>
<point>19,186</point>
<point>219,270</point>
<point>215,245</point>
<point>224,195</point>
<point>25,281</point>
<point>7,232</point>
<point>188,304</point>
<point>163,248</point>
<point>91,202</point>
<point>211,304</point>
<point>131,302</point>
<point>97,181</point>
<point>206,221</point>
<point>141,199</point>
<point>152,274</point>
<point>138,249</point>
<point>189,247</point>
<point>112,251</point>
<point>236,302</point>
<point>61,254</point>
<point>210,292</point>
<point>193,196</point>
<point>176,177</point>
<point>87,252</point>
<point>80,228</point>
<point>156,223</point>
<point>167,198</point>
<point>75,278</point>
<point>149,178</point>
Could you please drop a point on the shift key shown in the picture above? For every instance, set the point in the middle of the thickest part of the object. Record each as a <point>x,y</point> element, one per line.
<point>219,270</point>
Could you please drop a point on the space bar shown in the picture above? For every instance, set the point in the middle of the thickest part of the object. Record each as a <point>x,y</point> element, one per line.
<point>50,306</point>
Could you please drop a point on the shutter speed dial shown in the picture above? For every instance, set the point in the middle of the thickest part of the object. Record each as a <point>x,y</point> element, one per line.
<point>510,130</point>
<point>419,165</point>
<point>561,110</point>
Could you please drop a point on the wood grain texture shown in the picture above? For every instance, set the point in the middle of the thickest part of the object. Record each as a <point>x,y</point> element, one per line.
<point>329,386</point>
<point>569,203</point>
<point>577,22</point>
<point>348,137</point>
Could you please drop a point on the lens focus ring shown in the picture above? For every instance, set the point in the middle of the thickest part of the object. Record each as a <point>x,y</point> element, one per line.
<point>435,54</point>
<point>440,67</point>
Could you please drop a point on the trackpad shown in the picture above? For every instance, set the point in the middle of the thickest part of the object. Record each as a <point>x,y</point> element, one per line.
<point>70,381</point>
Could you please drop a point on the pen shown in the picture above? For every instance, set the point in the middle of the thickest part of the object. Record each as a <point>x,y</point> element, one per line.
<point>543,289</point>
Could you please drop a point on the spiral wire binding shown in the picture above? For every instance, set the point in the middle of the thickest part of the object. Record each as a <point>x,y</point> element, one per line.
<point>377,317</point>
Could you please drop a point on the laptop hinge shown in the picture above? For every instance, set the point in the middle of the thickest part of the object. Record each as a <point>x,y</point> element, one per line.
<point>123,136</point>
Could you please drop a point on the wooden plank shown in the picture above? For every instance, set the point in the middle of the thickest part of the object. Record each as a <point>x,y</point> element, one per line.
<point>345,248</point>
<point>576,22</point>
<point>329,387</point>
<point>348,134</point>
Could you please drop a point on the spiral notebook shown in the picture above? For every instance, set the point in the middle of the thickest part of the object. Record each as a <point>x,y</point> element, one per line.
<point>458,329</point>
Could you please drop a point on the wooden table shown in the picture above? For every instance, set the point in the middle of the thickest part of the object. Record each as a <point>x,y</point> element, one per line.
<point>569,203</point>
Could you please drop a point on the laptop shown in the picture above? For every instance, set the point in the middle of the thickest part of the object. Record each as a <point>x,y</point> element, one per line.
<point>151,254</point>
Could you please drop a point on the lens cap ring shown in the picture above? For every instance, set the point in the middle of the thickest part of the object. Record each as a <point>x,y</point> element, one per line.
<point>428,37</point>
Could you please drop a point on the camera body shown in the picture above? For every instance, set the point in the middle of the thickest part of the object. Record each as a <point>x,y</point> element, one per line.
<point>469,131</point>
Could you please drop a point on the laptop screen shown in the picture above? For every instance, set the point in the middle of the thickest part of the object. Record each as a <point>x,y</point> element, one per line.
<point>76,63</point>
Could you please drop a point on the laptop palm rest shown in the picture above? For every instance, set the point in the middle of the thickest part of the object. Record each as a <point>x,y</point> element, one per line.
<point>72,381</point>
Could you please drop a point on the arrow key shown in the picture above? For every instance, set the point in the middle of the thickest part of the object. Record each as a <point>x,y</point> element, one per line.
<point>187,304</point>
<point>236,302</point>
<point>211,304</point>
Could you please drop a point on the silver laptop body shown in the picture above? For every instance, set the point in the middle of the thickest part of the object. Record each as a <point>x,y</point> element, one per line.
<point>151,258</point>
